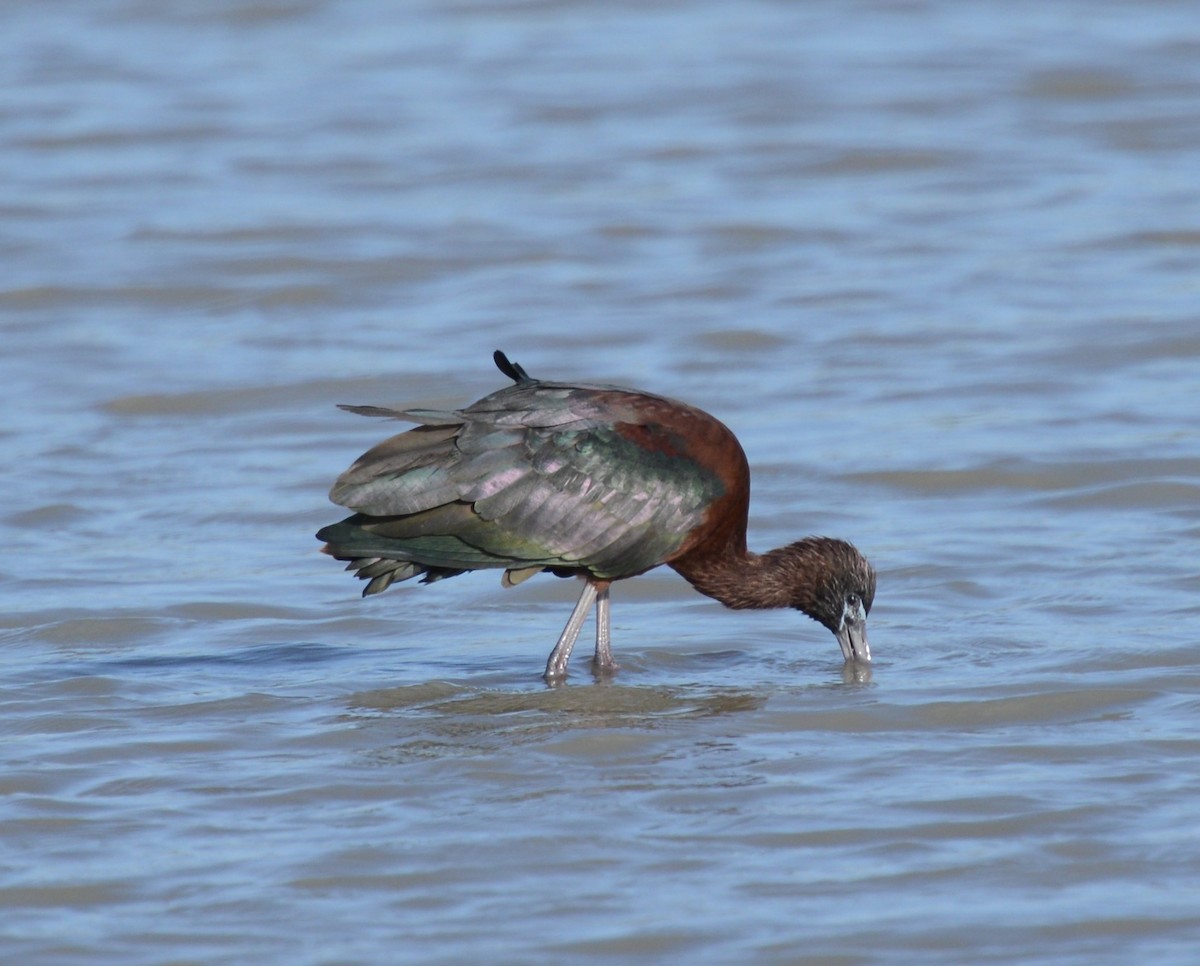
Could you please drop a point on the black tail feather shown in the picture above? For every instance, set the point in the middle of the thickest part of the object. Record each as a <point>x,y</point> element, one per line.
<point>510,369</point>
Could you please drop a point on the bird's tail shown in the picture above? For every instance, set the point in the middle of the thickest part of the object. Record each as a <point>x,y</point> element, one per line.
<point>375,559</point>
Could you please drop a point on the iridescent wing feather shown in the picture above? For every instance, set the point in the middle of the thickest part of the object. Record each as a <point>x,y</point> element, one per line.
<point>535,475</point>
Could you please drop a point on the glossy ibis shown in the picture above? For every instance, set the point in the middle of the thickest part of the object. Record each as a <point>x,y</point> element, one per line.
<point>592,481</point>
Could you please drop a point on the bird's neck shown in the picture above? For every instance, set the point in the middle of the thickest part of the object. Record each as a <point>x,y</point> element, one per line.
<point>738,578</point>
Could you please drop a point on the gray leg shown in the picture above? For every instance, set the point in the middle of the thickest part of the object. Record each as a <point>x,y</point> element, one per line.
<point>603,661</point>
<point>556,666</point>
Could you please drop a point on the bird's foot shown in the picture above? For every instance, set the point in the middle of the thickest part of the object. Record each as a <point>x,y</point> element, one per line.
<point>604,669</point>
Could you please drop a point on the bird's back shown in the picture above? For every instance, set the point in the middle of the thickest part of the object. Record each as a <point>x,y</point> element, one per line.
<point>541,475</point>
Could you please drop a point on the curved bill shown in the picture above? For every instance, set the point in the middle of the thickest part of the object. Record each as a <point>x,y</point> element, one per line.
<point>852,636</point>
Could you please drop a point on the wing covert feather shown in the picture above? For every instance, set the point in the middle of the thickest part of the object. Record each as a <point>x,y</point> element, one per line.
<point>541,475</point>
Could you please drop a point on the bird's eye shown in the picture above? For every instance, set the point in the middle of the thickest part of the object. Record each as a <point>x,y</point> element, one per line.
<point>852,600</point>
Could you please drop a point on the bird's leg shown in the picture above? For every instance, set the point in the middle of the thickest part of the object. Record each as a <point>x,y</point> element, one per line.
<point>603,661</point>
<point>556,665</point>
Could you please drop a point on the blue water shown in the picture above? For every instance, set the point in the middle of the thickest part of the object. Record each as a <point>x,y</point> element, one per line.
<point>936,264</point>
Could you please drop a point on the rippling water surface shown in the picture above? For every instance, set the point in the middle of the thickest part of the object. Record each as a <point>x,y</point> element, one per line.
<point>937,265</point>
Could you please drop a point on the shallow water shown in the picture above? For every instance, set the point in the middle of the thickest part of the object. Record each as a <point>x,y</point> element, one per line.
<point>935,264</point>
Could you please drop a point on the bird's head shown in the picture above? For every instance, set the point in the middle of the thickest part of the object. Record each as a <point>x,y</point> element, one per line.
<point>834,584</point>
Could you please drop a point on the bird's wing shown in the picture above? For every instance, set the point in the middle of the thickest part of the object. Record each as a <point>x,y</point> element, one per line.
<point>541,475</point>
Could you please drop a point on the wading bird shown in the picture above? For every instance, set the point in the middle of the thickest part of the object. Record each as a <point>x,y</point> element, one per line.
<point>597,482</point>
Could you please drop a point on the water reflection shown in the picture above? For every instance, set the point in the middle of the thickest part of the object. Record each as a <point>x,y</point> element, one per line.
<point>423,722</point>
<point>615,704</point>
<point>856,673</point>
